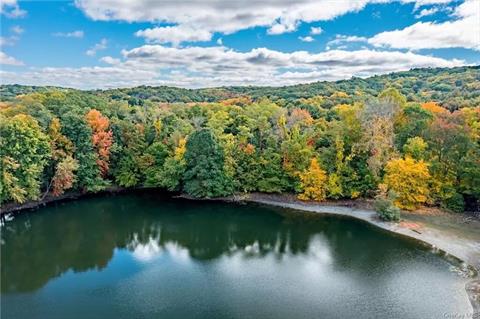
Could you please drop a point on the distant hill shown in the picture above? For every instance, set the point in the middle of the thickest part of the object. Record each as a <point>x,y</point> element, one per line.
<point>452,87</point>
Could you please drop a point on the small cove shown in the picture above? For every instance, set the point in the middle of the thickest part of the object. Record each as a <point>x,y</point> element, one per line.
<point>139,255</point>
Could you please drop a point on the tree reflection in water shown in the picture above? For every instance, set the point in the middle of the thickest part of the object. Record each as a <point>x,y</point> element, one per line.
<point>83,235</point>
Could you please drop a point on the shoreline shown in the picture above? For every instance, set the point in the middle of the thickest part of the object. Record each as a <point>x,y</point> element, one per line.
<point>457,246</point>
<point>460,247</point>
<point>464,250</point>
<point>16,208</point>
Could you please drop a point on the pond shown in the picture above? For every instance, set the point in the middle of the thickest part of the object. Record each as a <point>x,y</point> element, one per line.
<point>145,255</point>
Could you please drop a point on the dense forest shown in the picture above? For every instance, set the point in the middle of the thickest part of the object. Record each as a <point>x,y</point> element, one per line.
<point>452,88</point>
<point>408,139</point>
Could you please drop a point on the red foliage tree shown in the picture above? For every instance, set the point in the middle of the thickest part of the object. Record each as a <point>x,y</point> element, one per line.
<point>101,138</point>
<point>64,175</point>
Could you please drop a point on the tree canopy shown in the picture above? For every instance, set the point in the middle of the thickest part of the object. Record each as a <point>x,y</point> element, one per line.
<point>325,140</point>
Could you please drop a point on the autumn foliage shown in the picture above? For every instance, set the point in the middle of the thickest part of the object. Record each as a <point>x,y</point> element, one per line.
<point>434,108</point>
<point>64,176</point>
<point>313,182</point>
<point>60,145</point>
<point>328,145</point>
<point>101,138</point>
<point>408,179</point>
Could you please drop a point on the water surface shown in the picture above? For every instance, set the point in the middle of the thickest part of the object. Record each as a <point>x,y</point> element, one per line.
<point>144,256</point>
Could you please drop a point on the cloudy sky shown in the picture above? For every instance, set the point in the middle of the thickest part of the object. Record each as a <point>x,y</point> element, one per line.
<point>122,43</point>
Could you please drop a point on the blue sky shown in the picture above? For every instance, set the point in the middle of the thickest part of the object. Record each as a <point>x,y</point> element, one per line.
<point>109,43</point>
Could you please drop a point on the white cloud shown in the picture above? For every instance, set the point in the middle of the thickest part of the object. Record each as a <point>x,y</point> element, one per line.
<point>12,39</point>
<point>316,30</point>
<point>102,45</point>
<point>218,66</point>
<point>220,41</point>
<point>283,27</point>
<point>73,34</point>
<point>426,12</point>
<point>420,3</point>
<point>8,60</point>
<point>110,60</point>
<point>174,34</point>
<point>342,39</point>
<point>17,29</point>
<point>8,41</point>
<point>11,9</point>
<point>223,16</point>
<point>306,39</point>
<point>85,77</point>
<point>463,32</point>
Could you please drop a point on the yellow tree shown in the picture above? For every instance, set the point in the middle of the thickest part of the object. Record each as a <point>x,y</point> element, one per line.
<point>409,180</point>
<point>313,182</point>
<point>60,145</point>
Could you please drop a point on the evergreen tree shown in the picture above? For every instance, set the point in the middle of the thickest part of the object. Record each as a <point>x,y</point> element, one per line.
<point>204,175</point>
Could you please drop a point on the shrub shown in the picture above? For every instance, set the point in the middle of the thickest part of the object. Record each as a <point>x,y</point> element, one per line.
<point>386,210</point>
<point>455,203</point>
<point>384,205</point>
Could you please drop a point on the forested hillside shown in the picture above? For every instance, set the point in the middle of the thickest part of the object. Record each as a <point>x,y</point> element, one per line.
<point>409,139</point>
<point>452,88</point>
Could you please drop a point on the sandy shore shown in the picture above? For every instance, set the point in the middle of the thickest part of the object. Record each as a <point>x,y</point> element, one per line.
<point>465,248</point>
<point>461,242</point>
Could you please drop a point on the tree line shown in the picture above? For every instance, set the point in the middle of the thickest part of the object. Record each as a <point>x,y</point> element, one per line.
<point>404,153</point>
<point>453,88</point>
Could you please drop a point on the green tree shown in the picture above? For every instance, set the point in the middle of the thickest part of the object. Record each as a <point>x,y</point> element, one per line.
<point>88,174</point>
<point>155,156</point>
<point>247,168</point>
<point>204,175</point>
<point>413,121</point>
<point>392,95</point>
<point>272,177</point>
<point>128,165</point>
<point>24,150</point>
<point>174,168</point>
<point>415,147</point>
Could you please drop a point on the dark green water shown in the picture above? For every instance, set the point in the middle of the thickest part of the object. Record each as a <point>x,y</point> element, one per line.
<point>141,256</point>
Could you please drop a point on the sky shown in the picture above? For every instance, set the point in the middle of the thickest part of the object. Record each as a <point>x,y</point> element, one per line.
<point>90,44</point>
